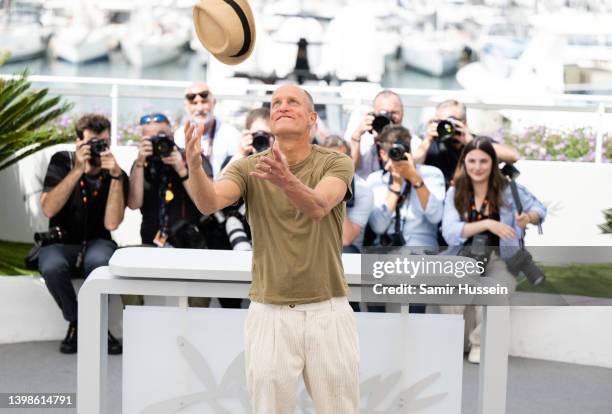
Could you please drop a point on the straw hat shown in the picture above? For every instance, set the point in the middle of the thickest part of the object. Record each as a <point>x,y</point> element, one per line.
<point>226,28</point>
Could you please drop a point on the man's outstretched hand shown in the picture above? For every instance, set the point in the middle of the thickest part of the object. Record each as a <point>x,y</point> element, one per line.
<point>276,170</point>
<point>193,144</point>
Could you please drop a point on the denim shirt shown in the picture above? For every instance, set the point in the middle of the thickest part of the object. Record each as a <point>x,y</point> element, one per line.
<point>420,226</point>
<point>452,222</point>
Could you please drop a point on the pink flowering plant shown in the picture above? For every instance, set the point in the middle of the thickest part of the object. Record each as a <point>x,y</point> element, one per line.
<point>543,143</point>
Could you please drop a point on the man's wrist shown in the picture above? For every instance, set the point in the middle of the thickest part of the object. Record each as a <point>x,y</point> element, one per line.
<point>415,180</point>
<point>290,183</point>
<point>182,171</point>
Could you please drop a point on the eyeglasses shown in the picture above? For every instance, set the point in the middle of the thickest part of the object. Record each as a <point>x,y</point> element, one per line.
<point>147,119</point>
<point>191,96</point>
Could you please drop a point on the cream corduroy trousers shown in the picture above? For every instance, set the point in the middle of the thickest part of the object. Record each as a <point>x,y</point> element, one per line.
<point>316,340</point>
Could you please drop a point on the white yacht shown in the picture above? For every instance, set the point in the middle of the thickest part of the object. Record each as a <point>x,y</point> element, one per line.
<point>155,36</point>
<point>436,53</point>
<point>566,52</point>
<point>86,37</point>
<point>20,35</point>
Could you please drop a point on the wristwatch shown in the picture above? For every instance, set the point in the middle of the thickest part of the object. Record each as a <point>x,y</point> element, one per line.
<point>419,184</point>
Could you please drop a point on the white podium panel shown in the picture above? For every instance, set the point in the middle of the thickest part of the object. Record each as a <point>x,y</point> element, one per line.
<point>189,361</point>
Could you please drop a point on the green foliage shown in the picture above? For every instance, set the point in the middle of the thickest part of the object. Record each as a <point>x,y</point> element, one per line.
<point>11,258</point>
<point>592,280</point>
<point>26,120</point>
<point>607,226</point>
<point>4,57</point>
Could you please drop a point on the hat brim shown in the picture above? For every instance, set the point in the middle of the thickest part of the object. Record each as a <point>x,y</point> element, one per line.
<point>249,25</point>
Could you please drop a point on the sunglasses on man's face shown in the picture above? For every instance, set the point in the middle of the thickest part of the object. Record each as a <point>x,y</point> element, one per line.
<point>147,119</point>
<point>191,96</point>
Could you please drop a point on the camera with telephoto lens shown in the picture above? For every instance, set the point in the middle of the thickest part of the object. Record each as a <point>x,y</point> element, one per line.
<point>97,146</point>
<point>54,235</point>
<point>236,233</point>
<point>163,145</point>
<point>229,220</point>
<point>381,120</point>
<point>522,262</point>
<point>261,140</point>
<point>397,151</point>
<point>392,240</point>
<point>446,129</point>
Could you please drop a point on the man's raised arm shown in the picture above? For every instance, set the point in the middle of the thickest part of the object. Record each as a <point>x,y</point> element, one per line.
<point>208,196</point>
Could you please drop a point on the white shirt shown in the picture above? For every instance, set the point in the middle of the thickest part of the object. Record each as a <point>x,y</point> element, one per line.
<point>225,143</point>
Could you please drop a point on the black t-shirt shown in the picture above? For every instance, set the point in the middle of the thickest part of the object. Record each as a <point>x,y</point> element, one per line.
<point>493,239</point>
<point>179,207</point>
<point>445,157</point>
<point>80,220</point>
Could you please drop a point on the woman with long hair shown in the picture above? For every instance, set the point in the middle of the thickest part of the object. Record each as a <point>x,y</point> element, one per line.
<point>480,201</point>
<point>480,204</point>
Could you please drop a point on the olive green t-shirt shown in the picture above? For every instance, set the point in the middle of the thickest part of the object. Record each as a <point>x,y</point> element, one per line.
<point>295,258</point>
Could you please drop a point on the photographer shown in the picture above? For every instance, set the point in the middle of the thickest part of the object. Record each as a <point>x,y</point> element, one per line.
<point>387,109</point>
<point>446,135</point>
<point>480,210</point>
<point>158,188</point>
<point>256,137</point>
<point>407,197</point>
<point>358,208</point>
<point>84,197</point>
<point>220,139</point>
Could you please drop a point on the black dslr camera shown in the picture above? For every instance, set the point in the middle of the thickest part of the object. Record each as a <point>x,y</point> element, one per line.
<point>162,145</point>
<point>478,249</point>
<point>97,147</point>
<point>446,129</point>
<point>392,240</point>
<point>261,140</point>
<point>522,261</point>
<point>186,235</point>
<point>54,235</point>
<point>397,151</point>
<point>381,120</point>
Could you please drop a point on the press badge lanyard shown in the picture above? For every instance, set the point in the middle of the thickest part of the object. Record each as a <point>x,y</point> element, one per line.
<point>211,139</point>
<point>86,198</point>
<point>165,195</point>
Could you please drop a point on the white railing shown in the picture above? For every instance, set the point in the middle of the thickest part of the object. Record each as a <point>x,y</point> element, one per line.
<point>117,88</point>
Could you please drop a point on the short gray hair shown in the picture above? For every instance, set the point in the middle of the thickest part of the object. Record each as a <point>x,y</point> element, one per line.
<point>449,103</point>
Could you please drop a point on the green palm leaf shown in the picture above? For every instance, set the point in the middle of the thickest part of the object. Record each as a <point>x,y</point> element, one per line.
<point>26,117</point>
<point>607,226</point>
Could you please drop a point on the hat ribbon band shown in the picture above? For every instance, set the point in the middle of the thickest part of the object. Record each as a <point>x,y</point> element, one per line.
<point>245,28</point>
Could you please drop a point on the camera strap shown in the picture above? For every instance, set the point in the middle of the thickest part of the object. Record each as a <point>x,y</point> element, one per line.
<point>519,208</point>
<point>400,202</point>
<point>211,138</point>
<point>165,196</point>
